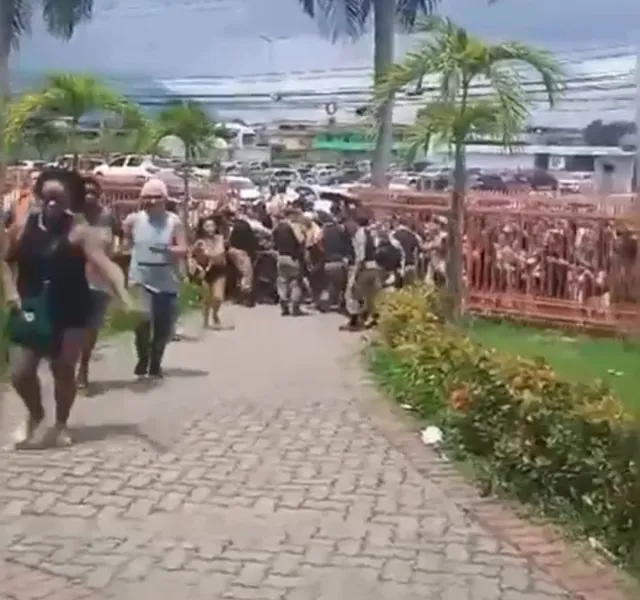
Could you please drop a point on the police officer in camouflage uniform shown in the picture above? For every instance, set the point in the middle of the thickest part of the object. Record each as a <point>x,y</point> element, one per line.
<point>288,242</point>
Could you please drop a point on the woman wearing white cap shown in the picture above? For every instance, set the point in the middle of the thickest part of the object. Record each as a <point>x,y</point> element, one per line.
<point>158,243</point>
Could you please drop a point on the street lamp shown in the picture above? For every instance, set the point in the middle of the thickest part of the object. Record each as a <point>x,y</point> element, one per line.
<point>270,41</point>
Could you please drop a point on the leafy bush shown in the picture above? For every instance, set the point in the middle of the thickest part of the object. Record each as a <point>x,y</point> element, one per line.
<point>569,448</point>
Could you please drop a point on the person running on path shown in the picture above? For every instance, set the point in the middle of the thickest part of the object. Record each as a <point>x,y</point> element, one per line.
<point>158,245</point>
<point>99,217</point>
<point>49,300</point>
<point>209,261</point>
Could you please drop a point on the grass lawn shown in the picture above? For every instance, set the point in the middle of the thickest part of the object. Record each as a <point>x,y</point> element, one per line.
<point>580,358</point>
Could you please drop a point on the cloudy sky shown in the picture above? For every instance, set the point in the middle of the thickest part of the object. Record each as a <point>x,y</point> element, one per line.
<point>165,38</point>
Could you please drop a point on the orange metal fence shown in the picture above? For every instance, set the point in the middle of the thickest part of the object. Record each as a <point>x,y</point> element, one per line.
<point>570,260</point>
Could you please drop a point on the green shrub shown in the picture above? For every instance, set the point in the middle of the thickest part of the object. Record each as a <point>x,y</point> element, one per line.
<point>569,448</point>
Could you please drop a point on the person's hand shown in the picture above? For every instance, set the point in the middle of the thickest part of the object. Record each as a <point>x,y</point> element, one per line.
<point>12,302</point>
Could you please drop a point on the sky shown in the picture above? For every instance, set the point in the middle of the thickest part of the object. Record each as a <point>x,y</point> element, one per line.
<point>166,39</point>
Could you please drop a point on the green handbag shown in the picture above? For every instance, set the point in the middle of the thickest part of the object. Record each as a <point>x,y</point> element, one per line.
<point>30,326</point>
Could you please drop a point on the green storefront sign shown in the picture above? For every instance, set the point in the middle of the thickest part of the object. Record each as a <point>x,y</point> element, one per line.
<point>346,142</point>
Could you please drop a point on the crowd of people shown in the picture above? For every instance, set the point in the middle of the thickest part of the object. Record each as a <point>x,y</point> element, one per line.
<point>63,255</point>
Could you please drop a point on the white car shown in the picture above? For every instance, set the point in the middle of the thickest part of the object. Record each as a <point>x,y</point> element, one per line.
<point>132,165</point>
<point>247,190</point>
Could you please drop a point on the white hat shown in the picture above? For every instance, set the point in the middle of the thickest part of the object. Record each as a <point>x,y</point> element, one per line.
<point>153,188</point>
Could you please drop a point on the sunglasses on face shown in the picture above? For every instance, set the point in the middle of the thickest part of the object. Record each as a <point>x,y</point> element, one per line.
<point>156,197</point>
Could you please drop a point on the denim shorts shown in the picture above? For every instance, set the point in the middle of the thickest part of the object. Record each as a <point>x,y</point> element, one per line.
<point>98,308</point>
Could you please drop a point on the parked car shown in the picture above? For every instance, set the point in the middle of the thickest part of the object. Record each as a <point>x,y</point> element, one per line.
<point>131,164</point>
<point>247,190</point>
<point>489,183</point>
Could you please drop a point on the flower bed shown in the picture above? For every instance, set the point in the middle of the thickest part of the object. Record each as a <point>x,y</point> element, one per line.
<point>568,448</point>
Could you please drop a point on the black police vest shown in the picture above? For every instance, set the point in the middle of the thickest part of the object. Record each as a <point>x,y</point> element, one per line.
<point>334,240</point>
<point>409,243</point>
<point>285,241</point>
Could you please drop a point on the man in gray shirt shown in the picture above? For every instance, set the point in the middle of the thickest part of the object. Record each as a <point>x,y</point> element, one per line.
<point>158,245</point>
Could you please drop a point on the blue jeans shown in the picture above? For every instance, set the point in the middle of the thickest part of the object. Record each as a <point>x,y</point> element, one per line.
<point>153,333</point>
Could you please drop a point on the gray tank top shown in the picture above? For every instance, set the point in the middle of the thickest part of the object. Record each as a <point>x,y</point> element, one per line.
<point>151,265</point>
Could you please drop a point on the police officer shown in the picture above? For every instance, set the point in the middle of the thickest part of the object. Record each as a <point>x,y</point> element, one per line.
<point>243,246</point>
<point>337,250</point>
<point>411,245</point>
<point>288,242</point>
<point>390,258</point>
<point>363,280</point>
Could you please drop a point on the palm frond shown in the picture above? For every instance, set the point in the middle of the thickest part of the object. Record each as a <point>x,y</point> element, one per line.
<point>411,70</point>
<point>18,114</point>
<point>543,64</point>
<point>15,20</point>
<point>409,11</point>
<point>339,18</point>
<point>190,122</point>
<point>63,16</point>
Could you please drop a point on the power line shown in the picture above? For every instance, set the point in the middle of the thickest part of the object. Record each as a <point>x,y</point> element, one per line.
<point>367,70</point>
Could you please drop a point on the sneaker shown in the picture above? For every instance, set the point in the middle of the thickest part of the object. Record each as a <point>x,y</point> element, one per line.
<point>57,437</point>
<point>25,434</point>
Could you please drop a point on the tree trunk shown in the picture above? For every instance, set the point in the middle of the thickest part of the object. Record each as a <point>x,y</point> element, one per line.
<point>5,94</point>
<point>384,13</point>
<point>455,231</point>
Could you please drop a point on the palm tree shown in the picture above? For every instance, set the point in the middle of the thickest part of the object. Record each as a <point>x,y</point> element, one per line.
<point>42,135</point>
<point>458,60</point>
<point>66,99</point>
<point>190,122</point>
<point>61,18</point>
<point>349,18</point>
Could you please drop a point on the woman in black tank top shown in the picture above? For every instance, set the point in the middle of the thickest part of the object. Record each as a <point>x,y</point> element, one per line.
<point>49,251</point>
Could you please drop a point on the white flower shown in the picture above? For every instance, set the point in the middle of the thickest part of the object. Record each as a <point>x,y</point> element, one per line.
<point>431,436</point>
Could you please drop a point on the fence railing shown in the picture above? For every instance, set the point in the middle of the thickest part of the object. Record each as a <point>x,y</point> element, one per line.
<point>570,260</point>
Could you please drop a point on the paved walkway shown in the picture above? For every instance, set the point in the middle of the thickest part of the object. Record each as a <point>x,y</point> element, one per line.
<point>252,471</point>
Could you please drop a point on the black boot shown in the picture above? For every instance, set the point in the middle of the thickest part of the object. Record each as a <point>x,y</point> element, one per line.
<point>284,309</point>
<point>141,340</point>
<point>159,340</point>
<point>353,324</point>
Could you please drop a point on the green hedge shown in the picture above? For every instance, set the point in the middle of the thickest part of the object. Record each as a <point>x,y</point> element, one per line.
<point>568,448</point>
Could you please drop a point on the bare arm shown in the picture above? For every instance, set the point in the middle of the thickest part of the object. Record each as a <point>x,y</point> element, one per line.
<point>7,274</point>
<point>179,246</point>
<point>127,232</point>
<point>93,247</point>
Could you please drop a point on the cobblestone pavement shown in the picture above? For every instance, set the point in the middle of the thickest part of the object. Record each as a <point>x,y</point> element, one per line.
<point>252,471</point>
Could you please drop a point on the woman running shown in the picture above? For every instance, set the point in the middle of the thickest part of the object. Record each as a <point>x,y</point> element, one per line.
<point>105,224</point>
<point>209,267</point>
<point>51,249</point>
